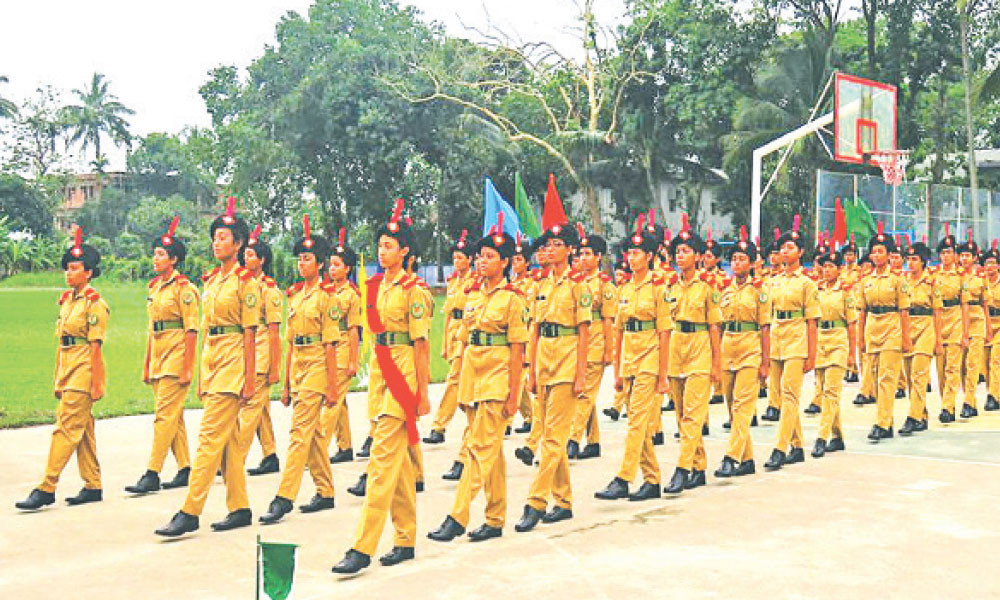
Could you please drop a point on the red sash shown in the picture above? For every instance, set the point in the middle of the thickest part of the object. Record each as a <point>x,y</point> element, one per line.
<point>393,377</point>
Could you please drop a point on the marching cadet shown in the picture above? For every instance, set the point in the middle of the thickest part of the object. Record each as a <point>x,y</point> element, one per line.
<point>335,421</point>
<point>851,274</point>
<point>526,453</point>
<point>172,307</point>
<point>990,260</point>
<point>642,341</point>
<point>460,278</point>
<point>884,322</point>
<point>835,349</point>
<point>796,310</point>
<point>495,329</point>
<point>521,279</point>
<point>925,325</point>
<point>560,338</point>
<point>972,355</point>
<point>399,371</point>
<point>711,262</point>
<point>816,274</point>
<point>896,265</point>
<point>590,252</point>
<point>79,378</point>
<point>623,274</point>
<point>311,377</point>
<point>231,313</point>
<point>695,361</point>
<point>950,293</point>
<point>773,411</point>
<point>255,416</point>
<point>746,351</point>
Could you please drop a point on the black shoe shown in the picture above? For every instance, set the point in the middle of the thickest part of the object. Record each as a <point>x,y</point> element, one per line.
<point>812,409</point>
<point>747,467</point>
<point>762,393</point>
<point>180,479</point>
<point>991,403</point>
<point>419,486</point>
<point>946,416</point>
<point>366,450</point>
<point>448,530</point>
<point>352,562</point>
<point>455,473</point>
<point>835,445</point>
<point>524,428</point>
<point>525,455</point>
<point>397,555</point>
<point>870,400</point>
<point>234,520</point>
<point>358,489</point>
<point>776,461</point>
<point>85,497</point>
<point>727,468</point>
<point>35,500</point>
<point>149,482</point>
<point>268,464</point>
<point>658,438</point>
<point>968,412</point>
<point>342,456</point>
<point>982,378</point>
<point>929,388</point>
<point>572,449</point>
<point>819,449</point>
<point>485,532</point>
<point>677,435</point>
<point>900,394</point>
<point>506,432</point>
<point>851,378</point>
<point>727,425</point>
<point>529,519</point>
<point>612,413</point>
<point>920,426</point>
<point>435,437</point>
<point>795,455</point>
<point>646,491</point>
<point>278,508</point>
<point>909,426</point>
<point>317,504</point>
<point>875,434</point>
<point>616,490</point>
<point>860,400</point>
<point>670,405</point>
<point>753,421</point>
<point>677,481</point>
<point>180,524</point>
<point>557,514</point>
<point>696,479</point>
<point>771,414</point>
<point>589,451</point>
<point>717,399</point>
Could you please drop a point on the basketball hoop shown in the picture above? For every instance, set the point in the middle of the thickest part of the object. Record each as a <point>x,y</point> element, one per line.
<point>893,164</point>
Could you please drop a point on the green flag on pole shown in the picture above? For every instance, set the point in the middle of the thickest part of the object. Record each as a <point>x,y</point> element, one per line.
<point>275,570</point>
<point>525,212</point>
<point>859,221</point>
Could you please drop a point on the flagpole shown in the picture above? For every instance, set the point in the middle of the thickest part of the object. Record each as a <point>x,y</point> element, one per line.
<point>257,590</point>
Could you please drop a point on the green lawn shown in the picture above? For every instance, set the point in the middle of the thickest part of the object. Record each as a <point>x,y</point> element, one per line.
<point>28,311</point>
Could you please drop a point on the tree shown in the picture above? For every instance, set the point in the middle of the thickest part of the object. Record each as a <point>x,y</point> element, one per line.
<point>24,206</point>
<point>164,165</point>
<point>7,107</point>
<point>37,131</point>
<point>98,114</point>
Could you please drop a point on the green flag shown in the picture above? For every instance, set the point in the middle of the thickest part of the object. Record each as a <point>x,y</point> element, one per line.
<point>525,212</point>
<point>859,221</point>
<point>275,569</point>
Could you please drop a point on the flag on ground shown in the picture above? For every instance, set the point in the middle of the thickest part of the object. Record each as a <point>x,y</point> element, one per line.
<point>496,204</point>
<point>275,570</point>
<point>525,211</point>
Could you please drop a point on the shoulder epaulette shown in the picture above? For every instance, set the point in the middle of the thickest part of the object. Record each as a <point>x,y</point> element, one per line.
<point>757,282</point>
<point>328,287</point>
<point>154,281</point>
<point>577,277</point>
<point>605,277</point>
<point>92,295</point>
<point>355,287</point>
<point>408,281</point>
<point>674,278</point>
<point>295,287</point>
<point>725,281</point>
<point>244,274</point>
<point>422,283</point>
<point>65,296</point>
<point>657,279</point>
<point>182,280</point>
<point>846,286</point>
<point>510,287</point>
<point>454,275</point>
<point>269,282</point>
<point>209,274</point>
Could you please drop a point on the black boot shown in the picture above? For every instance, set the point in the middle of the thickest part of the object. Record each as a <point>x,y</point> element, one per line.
<point>278,508</point>
<point>435,437</point>
<point>448,530</point>
<point>967,411</point>
<point>419,486</point>
<point>747,467</point>
<point>616,490</point>
<point>762,393</point>
<point>268,464</point>
<point>946,416</point>
<point>670,406</point>
<point>485,532</point>
<point>900,393</point>
<point>776,461</point>
<point>317,504</point>
<point>397,555</point>
<point>677,481</point>
<point>85,497</point>
<point>342,456</point>
<point>612,413</point>
<point>572,449</point>
<point>529,519</point>
<point>525,455</point>
<point>658,438</point>
<point>35,500</point>
<point>819,449</point>
<point>149,482</point>
<point>812,409</point>
<point>717,399</point>
<point>180,524</point>
<point>557,514</point>
<point>366,448</point>
<point>795,455</point>
<point>875,434</point>
<point>352,562</point>
<point>909,426</point>
<point>771,414</point>
<point>696,479</point>
<point>727,468</point>
<point>589,451</point>
<point>455,473</point>
<point>358,489</point>
<point>506,432</point>
<point>646,491</point>
<point>920,426</point>
<point>991,403</point>
<point>180,479</point>
<point>835,445</point>
<point>860,400</point>
<point>234,520</point>
<point>753,421</point>
<point>727,425</point>
<point>870,400</point>
<point>524,428</point>
<point>704,429</point>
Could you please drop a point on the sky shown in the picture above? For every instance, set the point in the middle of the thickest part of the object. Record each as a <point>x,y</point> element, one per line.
<point>157,54</point>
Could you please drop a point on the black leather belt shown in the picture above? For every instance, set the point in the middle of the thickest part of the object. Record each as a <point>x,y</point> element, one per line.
<point>790,314</point>
<point>456,313</point>
<point>482,338</point>
<point>994,312</point>
<point>741,326</point>
<point>164,325</point>
<point>689,326</point>
<point>638,325</point>
<point>307,340</point>
<point>835,324</point>
<point>72,340</point>
<point>393,338</point>
<point>951,302</point>
<point>881,310</point>
<point>921,311</point>
<point>552,330</point>
<point>224,329</point>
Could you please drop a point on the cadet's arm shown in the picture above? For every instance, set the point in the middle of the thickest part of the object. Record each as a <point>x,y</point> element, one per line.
<point>715,339</point>
<point>664,365</point>
<point>938,326</point>
<point>965,325</point>
<point>96,371</point>
<point>811,341</point>
<point>353,349</point>
<point>249,363</point>
<point>904,321</point>
<point>274,354</point>
<point>190,341</point>
<point>422,364</point>
<point>582,343</point>
<point>286,394</point>
<point>330,354</point>
<point>607,325</point>
<point>145,365</point>
<point>514,381</point>
<point>765,350</point>
<point>533,353</point>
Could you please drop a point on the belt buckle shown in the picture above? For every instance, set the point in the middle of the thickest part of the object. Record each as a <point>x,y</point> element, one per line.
<point>474,338</point>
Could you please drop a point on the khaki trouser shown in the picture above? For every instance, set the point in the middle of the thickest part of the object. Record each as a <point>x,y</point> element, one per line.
<point>949,368</point>
<point>556,406</point>
<point>742,387</point>
<point>993,379</point>
<point>869,375</point>
<point>526,401</point>
<point>887,363</point>
<point>449,402</point>
<point>831,384</point>
<point>972,360</point>
<point>691,395</point>
<point>788,374</point>
<point>169,432</point>
<point>335,422</point>
<point>644,409</point>
<point>306,446</point>
<point>249,421</point>
<point>537,422</point>
<point>265,429</point>
<point>774,390</point>
<point>73,432</point>
<point>485,469</point>
<point>621,401</point>
<point>585,420</point>
<point>390,489</point>
<point>918,370</point>
<point>216,437</point>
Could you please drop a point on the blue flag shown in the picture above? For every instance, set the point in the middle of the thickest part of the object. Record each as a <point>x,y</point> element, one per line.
<point>496,204</point>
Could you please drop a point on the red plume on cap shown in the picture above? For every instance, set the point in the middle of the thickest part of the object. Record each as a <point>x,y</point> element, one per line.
<point>460,244</point>
<point>639,222</point>
<point>341,238</point>
<point>685,223</point>
<point>899,241</point>
<point>947,229</point>
<point>173,225</point>
<point>498,239</point>
<point>796,221</point>
<point>666,235</point>
<point>743,233</point>
<point>254,235</point>
<point>230,215</point>
<point>708,234</point>
<point>756,240</point>
<point>77,250</point>
<point>408,221</point>
<point>307,231</point>
<point>852,237</point>
<point>777,234</point>
<point>651,220</point>
<point>968,234</point>
<point>923,238</point>
<point>881,227</point>
<point>580,230</point>
<point>996,243</point>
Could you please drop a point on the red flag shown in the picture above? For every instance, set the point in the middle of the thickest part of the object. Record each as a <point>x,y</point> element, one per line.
<point>839,222</point>
<point>553,214</point>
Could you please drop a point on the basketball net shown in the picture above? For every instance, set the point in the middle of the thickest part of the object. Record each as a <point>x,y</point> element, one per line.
<point>893,164</point>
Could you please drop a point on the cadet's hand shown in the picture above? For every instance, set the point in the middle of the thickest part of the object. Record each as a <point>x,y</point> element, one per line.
<point>939,348</point>
<point>185,378</point>
<point>619,384</point>
<point>764,371</point>
<point>531,381</point>
<point>247,393</point>
<point>423,405</point>
<point>352,370</point>
<point>861,345</point>
<point>286,397</point>
<point>716,375</point>
<point>331,398</point>
<point>96,391</point>
<point>145,377</point>
<point>579,384</point>
<point>965,342</point>
<point>609,358</point>
<point>809,365</point>
<point>662,385</point>
<point>510,407</point>
<point>58,395</point>
<point>852,364</point>
<point>273,377</point>
<point>907,345</point>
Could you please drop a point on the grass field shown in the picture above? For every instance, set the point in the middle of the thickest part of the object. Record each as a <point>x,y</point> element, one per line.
<point>28,311</point>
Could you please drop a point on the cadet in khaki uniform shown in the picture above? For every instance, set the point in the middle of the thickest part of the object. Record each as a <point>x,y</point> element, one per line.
<point>79,378</point>
<point>795,311</point>
<point>695,355</point>
<point>600,354</point>
<point>884,321</point>
<point>623,274</point>
<point>642,342</point>
<point>397,389</point>
<point>746,351</point>
<point>972,356</point>
<point>560,339</point>
<point>851,274</point>
<point>773,411</point>
<point>521,279</point>
<point>311,377</point>
<point>711,263</point>
<point>949,292</point>
<point>925,323</point>
<point>526,453</point>
<point>232,306</point>
<point>172,306</point>
<point>495,330</point>
<point>335,421</point>
<point>989,260</point>
<point>835,349</point>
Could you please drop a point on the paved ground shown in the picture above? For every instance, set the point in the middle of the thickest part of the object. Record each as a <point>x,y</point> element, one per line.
<point>908,518</point>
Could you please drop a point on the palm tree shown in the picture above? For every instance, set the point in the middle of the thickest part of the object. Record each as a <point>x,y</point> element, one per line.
<point>990,89</point>
<point>98,113</point>
<point>7,108</point>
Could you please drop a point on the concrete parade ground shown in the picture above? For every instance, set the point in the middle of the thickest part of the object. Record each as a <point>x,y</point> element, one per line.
<point>906,518</point>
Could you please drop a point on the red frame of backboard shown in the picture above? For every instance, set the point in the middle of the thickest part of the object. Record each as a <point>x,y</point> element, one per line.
<point>858,160</point>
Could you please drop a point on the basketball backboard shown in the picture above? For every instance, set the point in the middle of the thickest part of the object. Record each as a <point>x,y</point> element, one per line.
<point>864,118</point>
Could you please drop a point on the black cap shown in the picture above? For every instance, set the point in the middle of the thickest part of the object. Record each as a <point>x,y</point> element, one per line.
<point>173,245</point>
<point>80,252</point>
<point>260,247</point>
<point>399,229</point>
<point>231,221</point>
<point>310,242</point>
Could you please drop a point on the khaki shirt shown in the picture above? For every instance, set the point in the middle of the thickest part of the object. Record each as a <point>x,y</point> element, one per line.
<point>82,315</point>
<point>270,314</point>
<point>231,299</point>
<point>645,300</point>
<point>351,315</point>
<point>455,293</point>
<point>922,327</point>
<point>314,312</point>
<point>883,288</point>
<point>792,292</point>
<point>695,301</point>
<point>949,286</point>
<point>836,303</point>
<point>993,302</point>
<point>173,299</point>
<point>747,302</point>
<point>603,293</point>
<point>564,300</point>
<point>975,292</point>
<point>486,369</point>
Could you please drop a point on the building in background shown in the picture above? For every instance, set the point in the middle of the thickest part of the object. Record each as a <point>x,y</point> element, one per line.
<point>81,189</point>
